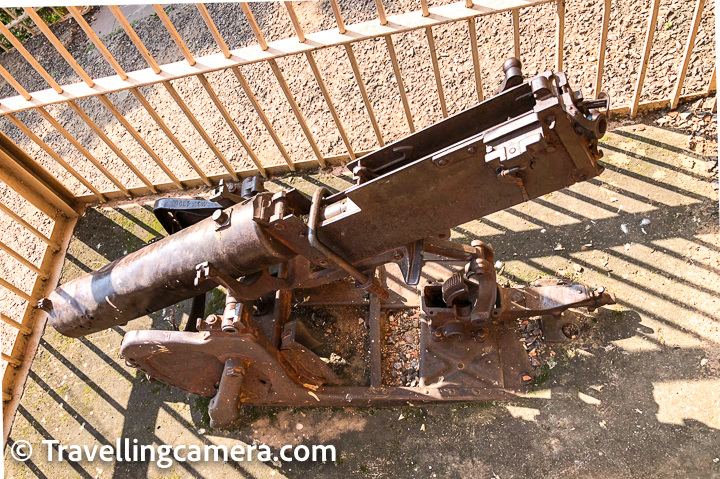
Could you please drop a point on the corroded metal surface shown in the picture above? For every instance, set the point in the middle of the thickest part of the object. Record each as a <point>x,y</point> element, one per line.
<point>531,139</point>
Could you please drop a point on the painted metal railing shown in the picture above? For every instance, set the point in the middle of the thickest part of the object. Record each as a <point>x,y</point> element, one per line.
<point>20,172</point>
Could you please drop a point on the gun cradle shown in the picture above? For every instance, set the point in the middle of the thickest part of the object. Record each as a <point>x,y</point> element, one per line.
<point>530,139</point>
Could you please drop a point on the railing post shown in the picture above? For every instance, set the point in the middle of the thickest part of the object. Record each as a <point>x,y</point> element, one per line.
<point>603,47</point>
<point>697,16</point>
<point>560,35</point>
<point>645,58</point>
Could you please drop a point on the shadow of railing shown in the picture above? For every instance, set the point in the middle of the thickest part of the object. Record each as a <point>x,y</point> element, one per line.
<point>586,405</point>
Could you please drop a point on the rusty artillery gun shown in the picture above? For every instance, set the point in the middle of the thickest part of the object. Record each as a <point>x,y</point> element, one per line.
<point>530,139</point>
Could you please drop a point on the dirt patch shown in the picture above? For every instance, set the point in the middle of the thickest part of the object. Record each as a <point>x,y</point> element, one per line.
<point>343,337</point>
<point>401,349</point>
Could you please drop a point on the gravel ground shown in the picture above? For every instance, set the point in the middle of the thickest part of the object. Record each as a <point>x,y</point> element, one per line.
<point>537,33</point>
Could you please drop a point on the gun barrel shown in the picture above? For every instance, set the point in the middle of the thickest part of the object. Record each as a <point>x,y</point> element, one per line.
<point>162,274</point>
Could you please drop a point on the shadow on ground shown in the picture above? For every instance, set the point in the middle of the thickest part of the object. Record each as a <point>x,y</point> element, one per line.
<point>638,395</point>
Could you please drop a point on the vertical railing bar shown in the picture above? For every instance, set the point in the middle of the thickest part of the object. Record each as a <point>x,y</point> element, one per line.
<point>560,35</point>
<point>296,110</point>
<point>213,29</point>
<point>9,12</point>
<point>18,219</point>
<point>602,47</point>
<point>223,111</point>
<point>261,113</point>
<point>711,86</point>
<point>645,58</point>
<point>174,33</point>
<point>469,4</point>
<point>697,16</point>
<point>14,83</point>
<point>24,261</point>
<point>295,21</point>
<point>381,12</point>
<point>129,128</point>
<point>82,149</point>
<point>356,72</point>
<point>338,16</point>
<point>97,42</point>
<point>21,24</point>
<point>59,46</point>
<point>283,84</point>
<point>254,26</point>
<point>363,93</point>
<point>226,115</point>
<point>425,9</point>
<point>30,59</point>
<point>134,38</point>
<point>48,197</point>
<point>436,70</point>
<point>331,106</point>
<point>11,360</point>
<point>476,58</point>
<point>53,154</point>
<point>516,32</point>
<point>201,131</point>
<point>14,289</point>
<point>15,324</point>
<point>320,81</point>
<point>173,139</point>
<point>399,80</point>
<point>101,134</point>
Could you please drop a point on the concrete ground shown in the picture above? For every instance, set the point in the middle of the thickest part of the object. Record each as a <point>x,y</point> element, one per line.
<point>638,395</point>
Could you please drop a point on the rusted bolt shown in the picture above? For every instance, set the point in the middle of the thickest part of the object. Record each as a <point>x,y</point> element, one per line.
<point>517,296</point>
<point>212,319</point>
<point>398,255</point>
<point>231,187</point>
<point>279,226</point>
<point>481,335</point>
<point>471,150</point>
<point>442,162</point>
<point>219,217</point>
<point>513,150</point>
<point>461,366</point>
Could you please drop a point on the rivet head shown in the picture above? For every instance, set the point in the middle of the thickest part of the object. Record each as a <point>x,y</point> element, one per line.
<point>471,150</point>
<point>219,217</point>
<point>442,162</point>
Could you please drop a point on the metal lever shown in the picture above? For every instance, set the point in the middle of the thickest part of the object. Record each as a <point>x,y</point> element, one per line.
<point>368,283</point>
